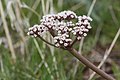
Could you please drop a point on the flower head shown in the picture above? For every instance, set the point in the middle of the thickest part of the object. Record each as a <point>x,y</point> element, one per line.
<point>62,26</point>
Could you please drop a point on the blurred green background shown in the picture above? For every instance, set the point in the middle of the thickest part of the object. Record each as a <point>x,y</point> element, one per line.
<point>26,58</point>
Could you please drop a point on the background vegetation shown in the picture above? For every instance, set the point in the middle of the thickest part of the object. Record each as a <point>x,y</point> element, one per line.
<point>26,58</point>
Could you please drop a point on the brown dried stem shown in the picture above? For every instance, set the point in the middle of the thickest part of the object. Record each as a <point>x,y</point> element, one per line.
<point>89,64</point>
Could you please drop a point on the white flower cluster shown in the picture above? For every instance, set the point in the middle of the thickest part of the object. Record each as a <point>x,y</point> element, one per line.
<point>62,26</point>
<point>37,30</point>
<point>82,27</point>
<point>53,21</point>
<point>62,40</point>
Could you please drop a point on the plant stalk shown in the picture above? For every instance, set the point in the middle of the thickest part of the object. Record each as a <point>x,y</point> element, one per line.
<point>89,64</point>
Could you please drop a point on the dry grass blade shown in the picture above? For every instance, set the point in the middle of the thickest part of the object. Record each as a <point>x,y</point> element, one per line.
<point>43,7</point>
<point>77,6</point>
<point>14,12</point>
<point>7,33</point>
<point>39,66</point>
<point>27,75</point>
<point>2,67</point>
<point>91,7</point>
<point>20,26</point>
<point>60,3</point>
<point>1,64</point>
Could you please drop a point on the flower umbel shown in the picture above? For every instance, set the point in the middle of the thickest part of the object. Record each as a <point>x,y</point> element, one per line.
<point>62,26</point>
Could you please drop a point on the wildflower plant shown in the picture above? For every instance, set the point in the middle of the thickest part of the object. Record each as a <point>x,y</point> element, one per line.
<point>66,29</point>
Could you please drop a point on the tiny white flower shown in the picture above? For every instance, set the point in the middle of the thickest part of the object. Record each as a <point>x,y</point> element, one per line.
<point>34,29</point>
<point>61,42</point>
<point>74,33</point>
<point>72,16</point>
<point>55,40</point>
<point>89,27</point>
<point>80,32</point>
<point>70,29</point>
<point>86,30</point>
<point>79,17</point>
<point>30,29</point>
<point>28,33</point>
<point>59,34</point>
<point>82,26</point>
<point>65,29</point>
<point>57,44</point>
<point>89,18</point>
<point>67,35</point>
<point>39,33</point>
<point>59,31</point>
<point>31,32</point>
<point>84,17</point>
<point>85,22</point>
<point>68,40</point>
<point>53,27</point>
<point>56,37</point>
<point>49,26</point>
<point>65,44</point>
<point>78,38</point>
<point>58,17</point>
<point>84,34</point>
<point>63,38</point>
<point>65,16</point>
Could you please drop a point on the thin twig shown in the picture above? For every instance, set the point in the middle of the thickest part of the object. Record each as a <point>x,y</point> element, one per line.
<point>47,42</point>
<point>73,42</point>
